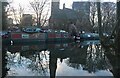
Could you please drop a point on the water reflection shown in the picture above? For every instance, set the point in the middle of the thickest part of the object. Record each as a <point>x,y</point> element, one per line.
<point>64,59</point>
<point>33,65</point>
<point>96,59</point>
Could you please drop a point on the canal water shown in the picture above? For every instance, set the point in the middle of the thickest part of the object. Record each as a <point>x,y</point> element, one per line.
<point>86,58</point>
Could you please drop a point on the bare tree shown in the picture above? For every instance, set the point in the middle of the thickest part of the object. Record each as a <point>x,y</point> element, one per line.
<point>117,28</point>
<point>105,18</point>
<point>93,10</point>
<point>41,8</point>
<point>4,15</point>
<point>16,14</point>
<point>108,12</point>
<point>21,12</point>
<point>99,19</point>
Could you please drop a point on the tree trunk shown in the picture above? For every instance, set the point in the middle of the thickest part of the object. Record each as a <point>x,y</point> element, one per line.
<point>4,16</point>
<point>37,19</point>
<point>117,39</point>
<point>99,20</point>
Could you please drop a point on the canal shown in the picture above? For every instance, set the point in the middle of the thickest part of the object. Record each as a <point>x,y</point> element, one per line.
<point>86,58</point>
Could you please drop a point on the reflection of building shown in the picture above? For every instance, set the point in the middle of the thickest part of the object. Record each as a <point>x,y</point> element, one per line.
<point>26,20</point>
<point>60,18</point>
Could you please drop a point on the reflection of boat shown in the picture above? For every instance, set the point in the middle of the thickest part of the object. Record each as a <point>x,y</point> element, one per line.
<point>89,42</point>
<point>35,47</point>
<point>89,36</point>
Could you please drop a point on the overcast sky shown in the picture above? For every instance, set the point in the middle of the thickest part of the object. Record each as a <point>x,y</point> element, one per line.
<point>68,3</point>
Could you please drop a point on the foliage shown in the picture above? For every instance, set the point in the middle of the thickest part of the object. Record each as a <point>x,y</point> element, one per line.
<point>41,9</point>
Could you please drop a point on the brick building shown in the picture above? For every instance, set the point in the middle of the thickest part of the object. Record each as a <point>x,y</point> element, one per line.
<point>60,18</point>
<point>26,20</point>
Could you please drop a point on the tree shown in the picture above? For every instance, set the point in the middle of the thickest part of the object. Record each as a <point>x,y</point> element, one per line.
<point>20,12</point>
<point>103,39</point>
<point>108,16</point>
<point>99,19</point>
<point>41,9</point>
<point>117,38</point>
<point>16,14</point>
<point>4,15</point>
<point>108,12</point>
<point>93,10</point>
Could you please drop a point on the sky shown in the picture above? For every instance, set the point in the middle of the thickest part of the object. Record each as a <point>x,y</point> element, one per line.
<point>27,8</point>
<point>68,3</point>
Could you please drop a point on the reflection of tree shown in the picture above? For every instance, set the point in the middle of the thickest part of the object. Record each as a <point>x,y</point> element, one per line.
<point>74,65</point>
<point>41,63</point>
<point>52,64</point>
<point>96,59</point>
<point>61,52</point>
<point>76,57</point>
<point>92,58</point>
<point>38,64</point>
<point>4,62</point>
